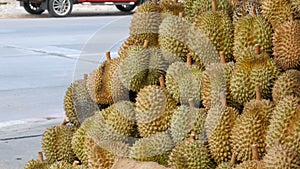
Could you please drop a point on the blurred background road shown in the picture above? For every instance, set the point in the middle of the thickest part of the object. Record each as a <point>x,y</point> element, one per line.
<point>39,58</point>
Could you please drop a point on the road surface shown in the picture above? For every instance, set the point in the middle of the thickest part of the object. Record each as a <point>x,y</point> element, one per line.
<point>39,59</point>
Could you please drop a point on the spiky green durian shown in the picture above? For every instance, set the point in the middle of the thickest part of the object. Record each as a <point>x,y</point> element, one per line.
<point>219,29</point>
<point>245,8</point>
<point>56,143</point>
<point>154,107</point>
<point>287,84</point>
<point>281,156</point>
<point>201,6</point>
<point>281,125</point>
<point>99,157</point>
<point>252,71</point>
<point>190,153</point>
<point>154,148</point>
<point>142,67</point>
<point>252,30</point>
<point>250,128</point>
<point>77,103</point>
<point>276,11</point>
<point>118,91</point>
<point>220,123</point>
<point>170,8</point>
<point>172,36</point>
<point>185,120</point>
<point>36,164</point>
<point>183,82</point>
<point>226,165</point>
<point>286,41</point>
<point>188,9</point>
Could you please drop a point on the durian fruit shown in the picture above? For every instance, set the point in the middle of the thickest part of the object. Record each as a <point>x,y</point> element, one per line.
<point>183,82</point>
<point>251,128</point>
<point>286,41</point>
<point>281,156</point>
<point>172,35</point>
<point>37,164</point>
<point>56,143</point>
<point>168,7</point>
<point>154,107</point>
<point>190,153</point>
<point>201,6</point>
<point>252,30</point>
<point>245,8</point>
<point>296,7</point>
<point>276,11</point>
<point>142,67</point>
<point>118,90</point>
<point>287,84</point>
<point>80,141</point>
<point>219,138</point>
<point>155,148</point>
<point>282,125</point>
<point>188,9</point>
<point>219,75</point>
<point>99,157</point>
<point>65,165</point>
<point>252,70</point>
<point>219,29</point>
<point>254,163</point>
<point>226,165</point>
<point>186,120</point>
<point>78,104</point>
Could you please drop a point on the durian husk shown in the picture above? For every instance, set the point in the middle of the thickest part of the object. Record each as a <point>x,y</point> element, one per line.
<point>201,6</point>
<point>99,157</point>
<point>286,41</point>
<point>170,7</point>
<point>226,165</point>
<point>245,8</point>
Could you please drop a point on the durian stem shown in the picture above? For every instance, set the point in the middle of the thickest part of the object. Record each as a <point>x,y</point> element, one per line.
<point>162,82</point>
<point>181,14</point>
<point>214,5</point>
<point>192,137</point>
<point>258,93</point>
<point>189,59</point>
<point>146,44</point>
<point>253,10</point>
<point>191,102</point>
<point>222,57</point>
<point>108,57</point>
<point>233,159</point>
<point>255,155</point>
<point>85,76</point>
<point>75,163</point>
<point>223,99</point>
<point>41,157</point>
<point>66,121</point>
<point>257,49</point>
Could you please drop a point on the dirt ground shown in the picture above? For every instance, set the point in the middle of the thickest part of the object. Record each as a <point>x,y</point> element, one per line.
<point>12,9</point>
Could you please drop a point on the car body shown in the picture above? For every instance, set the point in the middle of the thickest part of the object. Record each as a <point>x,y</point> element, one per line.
<point>61,8</point>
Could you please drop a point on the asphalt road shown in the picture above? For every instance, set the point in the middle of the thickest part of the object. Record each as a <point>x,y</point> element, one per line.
<point>39,58</point>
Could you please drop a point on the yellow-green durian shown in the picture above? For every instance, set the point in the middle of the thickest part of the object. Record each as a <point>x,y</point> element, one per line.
<point>201,6</point>
<point>37,164</point>
<point>246,8</point>
<point>287,84</point>
<point>99,157</point>
<point>281,156</point>
<point>286,41</point>
<point>170,7</point>
<point>191,154</point>
<point>154,107</point>
<point>226,165</point>
<point>56,143</point>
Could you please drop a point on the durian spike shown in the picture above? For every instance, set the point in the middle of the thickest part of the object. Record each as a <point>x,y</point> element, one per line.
<point>75,163</point>
<point>189,59</point>
<point>214,5</point>
<point>222,57</point>
<point>66,121</point>
<point>192,103</point>
<point>162,82</point>
<point>223,99</point>
<point>253,11</point>
<point>192,137</point>
<point>41,157</point>
<point>257,49</point>
<point>255,152</point>
<point>85,76</point>
<point>146,44</point>
<point>181,14</point>
<point>233,159</point>
<point>154,2</point>
<point>108,57</point>
<point>258,93</point>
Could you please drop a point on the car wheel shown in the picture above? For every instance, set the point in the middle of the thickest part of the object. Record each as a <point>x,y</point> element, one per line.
<point>33,8</point>
<point>60,8</point>
<point>125,8</point>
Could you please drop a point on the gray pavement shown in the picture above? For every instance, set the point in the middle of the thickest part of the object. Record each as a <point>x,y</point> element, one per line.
<point>39,58</point>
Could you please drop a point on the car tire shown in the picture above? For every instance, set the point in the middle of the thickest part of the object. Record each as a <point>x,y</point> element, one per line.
<point>33,8</point>
<point>60,8</point>
<point>126,8</point>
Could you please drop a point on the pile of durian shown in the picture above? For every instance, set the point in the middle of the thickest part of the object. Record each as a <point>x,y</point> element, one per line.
<point>199,84</point>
